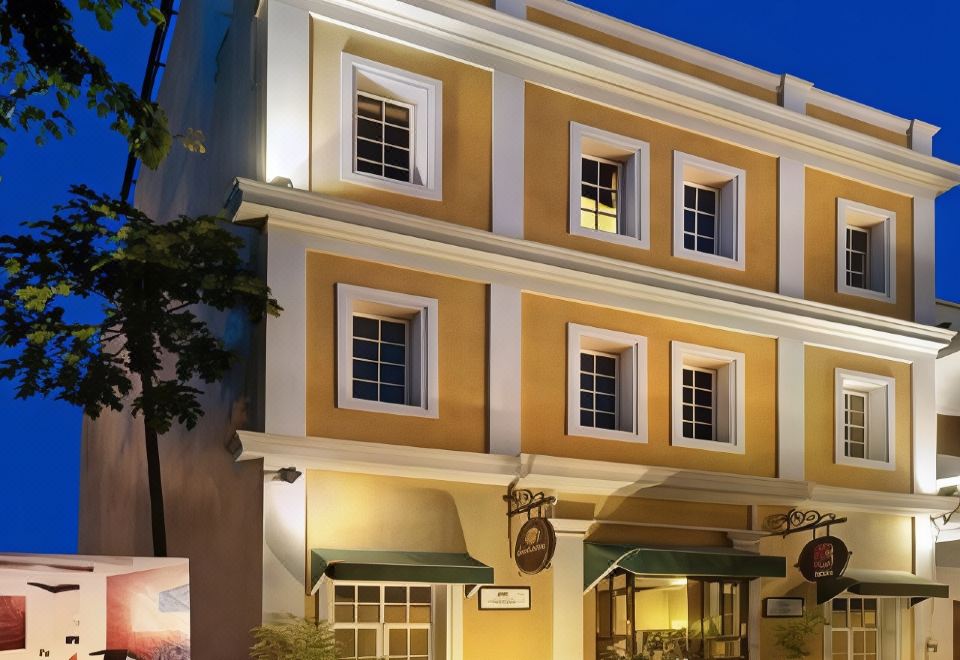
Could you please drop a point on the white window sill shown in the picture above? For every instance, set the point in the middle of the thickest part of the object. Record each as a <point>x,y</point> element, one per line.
<point>606,434</point>
<point>865,463</point>
<point>712,259</point>
<point>347,175</point>
<point>367,405</point>
<point>610,237</point>
<point>709,445</point>
<point>882,296</point>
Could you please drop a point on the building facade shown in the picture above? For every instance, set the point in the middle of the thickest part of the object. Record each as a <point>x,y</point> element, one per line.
<point>523,246</point>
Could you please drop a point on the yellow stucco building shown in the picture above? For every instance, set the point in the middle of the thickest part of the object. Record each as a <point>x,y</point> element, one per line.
<point>522,246</point>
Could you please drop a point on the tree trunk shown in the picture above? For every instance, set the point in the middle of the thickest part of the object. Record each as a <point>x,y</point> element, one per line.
<point>157,521</point>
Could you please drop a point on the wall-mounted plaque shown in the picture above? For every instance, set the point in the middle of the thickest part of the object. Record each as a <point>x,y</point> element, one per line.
<point>535,545</point>
<point>782,607</point>
<point>504,598</point>
<point>825,557</point>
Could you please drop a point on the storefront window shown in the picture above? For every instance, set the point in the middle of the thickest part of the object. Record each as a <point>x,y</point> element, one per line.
<point>862,628</point>
<point>670,618</point>
<point>373,621</point>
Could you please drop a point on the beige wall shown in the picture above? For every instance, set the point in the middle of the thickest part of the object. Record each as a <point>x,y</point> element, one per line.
<point>413,514</point>
<point>467,121</point>
<point>545,18</point>
<point>462,357</point>
<point>820,244</point>
<point>544,391</point>
<point>548,117</point>
<point>948,435</point>
<point>819,374</point>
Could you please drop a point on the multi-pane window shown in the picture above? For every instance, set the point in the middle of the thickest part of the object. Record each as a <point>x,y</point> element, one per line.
<point>380,358</point>
<point>699,403</point>
<point>383,130</point>
<point>855,631</point>
<point>600,194</point>
<point>598,389</point>
<point>854,424</point>
<point>373,622</point>
<point>701,229</point>
<point>858,257</point>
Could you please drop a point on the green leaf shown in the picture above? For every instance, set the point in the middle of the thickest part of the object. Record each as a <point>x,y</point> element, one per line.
<point>156,16</point>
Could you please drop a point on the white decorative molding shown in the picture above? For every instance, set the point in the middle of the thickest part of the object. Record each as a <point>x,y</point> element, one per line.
<point>791,223</point>
<point>287,94</point>
<point>747,540</point>
<point>793,93</point>
<point>567,591</point>
<point>924,293</point>
<point>573,475</point>
<point>495,40</point>
<point>791,402</point>
<point>924,415</point>
<point>516,8</point>
<point>366,231</point>
<point>921,135</point>
<point>508,154</point>
<point>503,376</point>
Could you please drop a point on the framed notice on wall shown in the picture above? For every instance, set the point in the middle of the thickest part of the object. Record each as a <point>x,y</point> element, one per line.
<point>782,607</point>
<point>504,598</point>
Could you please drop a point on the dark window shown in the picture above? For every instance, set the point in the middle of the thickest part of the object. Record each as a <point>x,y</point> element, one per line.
<point>598,389</point>
<point>699,403</point>
<point>383,130</point>
<point>701,218</point>
<point>380,348</point>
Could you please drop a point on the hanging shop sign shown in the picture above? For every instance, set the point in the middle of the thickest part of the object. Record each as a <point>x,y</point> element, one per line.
<point>824,557</point>
<point>535,545</point>
<point>503,598</point>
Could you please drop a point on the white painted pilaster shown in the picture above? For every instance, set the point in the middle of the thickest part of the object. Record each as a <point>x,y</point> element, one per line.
<point>790,409</point>
<point>287,83</point>
<point>790,213</point>
<point>794,92</point>
<point>516,8</point>
<point>921,136</point>
<point>753,618</point>
<point>924,566</point>
<point>567,569</point>
<point>924,425</point>
<point>507,208</point>
<point>503,377</point>
<point>924,293</point>
<point>285,383</point>
<point>284,546</point>
<point>455,622</point>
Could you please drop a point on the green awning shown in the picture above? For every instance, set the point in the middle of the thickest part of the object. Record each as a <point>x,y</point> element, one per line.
<point>881,583</point>
<point>397,566</point>
<point>599,560</point>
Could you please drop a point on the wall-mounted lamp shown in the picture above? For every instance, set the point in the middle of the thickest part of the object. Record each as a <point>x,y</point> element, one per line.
<point>287,474</point>
<point>932,645</point>
<point>281,181</point>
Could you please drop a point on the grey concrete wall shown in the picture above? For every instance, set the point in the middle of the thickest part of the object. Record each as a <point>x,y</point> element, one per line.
<point>213,505</point>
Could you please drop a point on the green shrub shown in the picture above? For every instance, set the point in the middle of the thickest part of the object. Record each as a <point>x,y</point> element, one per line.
<point>296,639</point>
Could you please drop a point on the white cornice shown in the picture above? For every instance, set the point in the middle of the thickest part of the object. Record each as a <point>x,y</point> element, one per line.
<point>569,475</point>
<point>535,264</point>
<point>469,31</point>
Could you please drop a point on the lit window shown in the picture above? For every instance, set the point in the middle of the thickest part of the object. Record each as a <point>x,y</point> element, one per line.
<point>865,419</point>
<point>386,352</point>
<point>372,621</point>
<point>606,384</point>
<point>708,211</point>
<point>609,186</point>
<point>390,128</point>
<point>866,259</point>
<point>855,629</point>
<point>707,398</point>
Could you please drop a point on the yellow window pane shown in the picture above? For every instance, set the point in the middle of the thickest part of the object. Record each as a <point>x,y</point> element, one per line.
<point>397,642</point>
<point>607,223</point>
<point>346,643</point>
<point>419,614</point>
<point>419,641</point>
<point>840,642</point>
<point>343,613</point>
<point>839,619</point>
<point>395,613</point>
<point>869,619</point>
<point>366,643</point>
<point>859,641</point>
<point>368,613</point>
<point>587,219</point>
<point>871,642</point>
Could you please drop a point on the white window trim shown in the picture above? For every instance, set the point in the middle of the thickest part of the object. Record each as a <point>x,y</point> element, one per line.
<point>881,393</point>
<point>633,213</point>
<point>886,224</point>
<point>633,366</point>
<point>426,128</point>
<point>733,364</point>
<point>738,178</point>
<point>422,353</point>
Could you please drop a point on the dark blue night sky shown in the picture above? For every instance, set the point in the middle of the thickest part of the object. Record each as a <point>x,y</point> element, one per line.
<point>898,57</point>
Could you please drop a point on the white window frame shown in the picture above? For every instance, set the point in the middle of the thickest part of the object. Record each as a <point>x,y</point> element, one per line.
<point>422,363</point>
<point>633,198</point>
<point>889,614</point>
<point>882,264</point>
<point>631,381</point>
<point>424,94</point>
<point>881,416</point>
<point>730,396</point>
<point>731,217</point>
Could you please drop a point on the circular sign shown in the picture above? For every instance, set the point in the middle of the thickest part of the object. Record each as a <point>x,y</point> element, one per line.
<point>535,545</point>
<point>825,557</point>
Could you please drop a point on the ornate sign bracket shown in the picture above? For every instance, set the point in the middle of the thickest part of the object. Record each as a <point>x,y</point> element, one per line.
<point>795,520</point>
<point>520,501</point>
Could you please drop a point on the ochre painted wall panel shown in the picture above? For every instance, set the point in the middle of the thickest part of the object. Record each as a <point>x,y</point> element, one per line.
<point>462,357</point>
<point>820,242</point>
<point>838,119</point>
<point>545,18</point>
<point>819,374</point>
<point>543,417</point>
<point>548,117</point>
<point>948,435</point>
<point>467,121</point>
